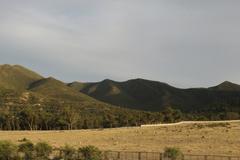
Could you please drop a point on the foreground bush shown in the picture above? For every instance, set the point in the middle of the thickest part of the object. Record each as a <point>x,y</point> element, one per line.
<point>173,153</point>
<point>27,148</point>
<point>90,153</point>
<point>68,153</point>
<point>43,151</point>
<point>8,151</point>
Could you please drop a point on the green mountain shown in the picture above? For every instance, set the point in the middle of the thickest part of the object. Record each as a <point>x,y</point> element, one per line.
<point>57,89</point>
<point>30,101</point>
<point>16,77</point>
<point>155,96</point>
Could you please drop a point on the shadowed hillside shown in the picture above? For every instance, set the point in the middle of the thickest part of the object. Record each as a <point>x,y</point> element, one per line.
<point>226,86</point>
<point>155,96</point>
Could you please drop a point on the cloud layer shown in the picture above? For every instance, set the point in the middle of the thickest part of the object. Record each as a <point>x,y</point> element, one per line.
<point>185,43</point>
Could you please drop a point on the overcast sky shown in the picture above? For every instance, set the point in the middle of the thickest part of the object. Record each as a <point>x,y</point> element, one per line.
<point>187,43</point>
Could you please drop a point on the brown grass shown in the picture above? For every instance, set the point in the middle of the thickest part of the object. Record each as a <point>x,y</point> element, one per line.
<point>190,138</point>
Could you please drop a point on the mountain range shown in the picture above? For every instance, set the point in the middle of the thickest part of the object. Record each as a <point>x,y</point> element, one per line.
<point>155,96</point>
<point>137,94</point>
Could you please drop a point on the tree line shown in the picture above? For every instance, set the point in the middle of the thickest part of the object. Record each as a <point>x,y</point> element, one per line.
<point>68,117</point>
<point>57,115</point>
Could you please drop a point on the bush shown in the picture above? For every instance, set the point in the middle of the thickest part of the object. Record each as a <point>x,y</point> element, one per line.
<point>68,153</point>
<point>43,150</point>
<point>27,149</point>
<point>173,153</point>
<point>90,153</point>
<point>8,151</point>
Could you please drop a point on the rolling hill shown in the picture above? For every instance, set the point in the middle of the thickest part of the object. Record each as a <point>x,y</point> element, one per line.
<point>30,101</point>
<point>155,96</point>
<point>226,86</point>
<point>57,89</point>
<point>137,94</point>
<point>16,77</point>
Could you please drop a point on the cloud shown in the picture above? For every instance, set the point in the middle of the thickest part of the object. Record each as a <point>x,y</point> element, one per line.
<point>186,43</point>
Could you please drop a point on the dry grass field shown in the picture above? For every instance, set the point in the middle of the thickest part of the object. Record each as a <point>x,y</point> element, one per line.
<point>222,139</point>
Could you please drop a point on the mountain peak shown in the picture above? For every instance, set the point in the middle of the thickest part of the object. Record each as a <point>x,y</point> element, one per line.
<point>227,83</point>
<point>107,80</point>
<point>227,86</point>
<point>16,77</point>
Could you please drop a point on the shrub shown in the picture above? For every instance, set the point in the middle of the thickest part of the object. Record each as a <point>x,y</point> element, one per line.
<point>173,153</point>
<point>27,149</point>
<point>90,153</point>
<point>8,151</point>
<point>68,153</point>
<point>42,150</point>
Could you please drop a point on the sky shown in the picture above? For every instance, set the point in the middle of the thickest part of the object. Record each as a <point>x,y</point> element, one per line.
<point>186,43</point>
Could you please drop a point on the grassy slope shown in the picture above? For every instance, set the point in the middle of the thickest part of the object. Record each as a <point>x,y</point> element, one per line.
<point>57,89</point>
<point>18,86</point>
<point>16,77</point>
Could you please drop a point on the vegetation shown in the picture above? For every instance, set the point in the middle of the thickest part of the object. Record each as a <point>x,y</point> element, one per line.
<point>36,114</point>
<point>8,151</point>
<point>68,153</point>
<point>90,153</point>
<point>31,102</point>
<point>27,149</point>
<point>16,77</point>
<point>155,96</point>
<point>43,151</point>
<point>173,153</point>
<point>192,138</point>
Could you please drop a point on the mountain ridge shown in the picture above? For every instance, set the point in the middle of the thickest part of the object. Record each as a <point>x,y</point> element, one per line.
<point>140,94</point>
<point>33,102</point>
<point>155,96</point>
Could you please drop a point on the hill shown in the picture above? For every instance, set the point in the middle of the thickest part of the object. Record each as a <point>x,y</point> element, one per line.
<point>226,86</point>
<point>155,96</point>
<point>29,101</point>
<point>16,77</point>
<point>57,89</point>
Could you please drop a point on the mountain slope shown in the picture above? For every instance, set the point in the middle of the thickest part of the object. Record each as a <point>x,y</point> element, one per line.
<point>154,96</point>
<point>136,93</point>
<point>107,91</point>
<point>57,89</point>
<point>16,77</point>
<point>24,93</point>
<point>227,86</point>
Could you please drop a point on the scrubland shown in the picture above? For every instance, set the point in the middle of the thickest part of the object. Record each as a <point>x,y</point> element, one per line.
<point>223,139</point>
